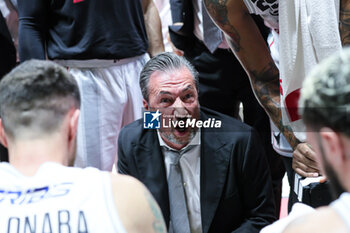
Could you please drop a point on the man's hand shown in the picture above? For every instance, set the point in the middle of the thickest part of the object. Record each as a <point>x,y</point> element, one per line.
<point>304,161</point>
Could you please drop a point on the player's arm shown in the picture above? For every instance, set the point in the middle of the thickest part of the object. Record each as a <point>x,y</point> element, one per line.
<point>32,28</point>
<point>344,18</point>
<point>137,209</point>
<point>244,38</point>
<point>153,27</point>
<point>246,42</point>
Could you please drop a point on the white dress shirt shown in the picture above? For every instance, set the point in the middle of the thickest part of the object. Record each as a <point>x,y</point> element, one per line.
<point>190,169</point>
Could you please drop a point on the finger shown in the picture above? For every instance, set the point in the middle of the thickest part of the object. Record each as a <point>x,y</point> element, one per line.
<point>310,154</point>
<point>303,173</point>
<point>323,179</point>
<point>307,169</point>
<point>311,171</point>
<point>306,151</point>
<point>297,156</point>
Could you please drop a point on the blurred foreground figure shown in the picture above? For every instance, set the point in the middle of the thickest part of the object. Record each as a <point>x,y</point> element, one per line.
<point>324,105</point>
<point>40,106</point>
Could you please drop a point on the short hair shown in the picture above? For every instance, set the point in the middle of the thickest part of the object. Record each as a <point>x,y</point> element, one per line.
<point>164,62</point>
<point>35,97</point>
<point>325,95</point>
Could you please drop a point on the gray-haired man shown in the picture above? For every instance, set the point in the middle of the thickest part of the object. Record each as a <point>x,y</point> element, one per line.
<point>212,178</point>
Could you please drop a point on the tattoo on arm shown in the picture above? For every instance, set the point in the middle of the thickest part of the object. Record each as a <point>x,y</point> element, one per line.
<point>265,82</point>
<point>345,22</point>
<point>266,87</point>
<point>218,11</point>
<point>158,224</point>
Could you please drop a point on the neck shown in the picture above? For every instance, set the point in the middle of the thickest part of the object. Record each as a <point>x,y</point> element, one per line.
<point>28,155</point>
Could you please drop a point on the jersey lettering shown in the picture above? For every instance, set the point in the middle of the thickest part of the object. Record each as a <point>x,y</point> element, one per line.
<point>264,5</point>
<point>13,225</point>
<point>27,225</point>
<point>47,223</point>
<point>82,226</point>
<point>21,197</point>
<point>61,222</point>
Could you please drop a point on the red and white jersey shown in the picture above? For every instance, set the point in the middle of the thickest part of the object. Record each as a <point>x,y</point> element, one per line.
<point>57,199</point>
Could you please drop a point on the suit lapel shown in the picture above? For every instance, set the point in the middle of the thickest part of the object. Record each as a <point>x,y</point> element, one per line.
<point>214,166</point>
<point>150,164</point>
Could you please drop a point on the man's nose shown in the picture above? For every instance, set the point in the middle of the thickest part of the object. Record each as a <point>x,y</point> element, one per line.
<point>179,109</point>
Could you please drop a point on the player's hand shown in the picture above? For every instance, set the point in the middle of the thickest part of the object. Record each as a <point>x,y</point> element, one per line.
<point>304,161</point>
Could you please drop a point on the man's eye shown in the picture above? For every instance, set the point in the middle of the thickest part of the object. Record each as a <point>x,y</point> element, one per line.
<point>164,100</point>
<point>187,96</point>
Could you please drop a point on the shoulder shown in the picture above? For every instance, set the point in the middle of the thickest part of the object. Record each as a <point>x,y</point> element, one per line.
<point>230,130</point>
<point>228,123</point>
<point>324,220</point>
<point>133,133</point>
<point>136,207</point>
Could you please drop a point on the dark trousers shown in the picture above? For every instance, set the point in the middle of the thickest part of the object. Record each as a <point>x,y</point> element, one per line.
<point>291,174</point>
<point>223,84</point>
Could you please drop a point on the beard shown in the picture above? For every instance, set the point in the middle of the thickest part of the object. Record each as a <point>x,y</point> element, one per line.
<point>335,186</point>
<point>170,136</point>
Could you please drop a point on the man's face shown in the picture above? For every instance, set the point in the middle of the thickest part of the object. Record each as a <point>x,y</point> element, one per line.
<point>174,93</point>
<point>314,139</point>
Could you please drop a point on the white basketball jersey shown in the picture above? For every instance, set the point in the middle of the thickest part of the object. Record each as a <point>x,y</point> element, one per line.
<point>267,9</point>
<point>57,199</point>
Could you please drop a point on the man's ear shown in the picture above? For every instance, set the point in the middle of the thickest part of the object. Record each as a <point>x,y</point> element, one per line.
<point>73,125</point>
<point>145,104</point>
<point>332,145</point>
<point>3,139</point>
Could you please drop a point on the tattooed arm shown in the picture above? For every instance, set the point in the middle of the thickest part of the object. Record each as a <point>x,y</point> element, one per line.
<point>345,22</point>
<point>136,207</point>
<point>247,43</point>
<point>245,40</point>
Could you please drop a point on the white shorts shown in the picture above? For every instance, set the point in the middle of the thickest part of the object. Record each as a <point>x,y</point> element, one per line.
<point>110,98</point>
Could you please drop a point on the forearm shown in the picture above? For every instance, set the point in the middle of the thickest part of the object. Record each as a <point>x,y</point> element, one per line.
<point>344,18</point>
<point>251,50</point>
<point>153,28</point>
<point>32,28</point>
<point>31,42</point>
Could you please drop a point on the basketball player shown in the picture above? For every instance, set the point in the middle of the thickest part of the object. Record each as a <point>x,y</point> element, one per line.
<point>40,106</point>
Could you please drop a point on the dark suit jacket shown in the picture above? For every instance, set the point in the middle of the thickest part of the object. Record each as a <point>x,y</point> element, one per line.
<point>235,184</point>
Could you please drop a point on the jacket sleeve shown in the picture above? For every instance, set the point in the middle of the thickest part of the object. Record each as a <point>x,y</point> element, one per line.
<point>122,163</point>
<point>255,187</point>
